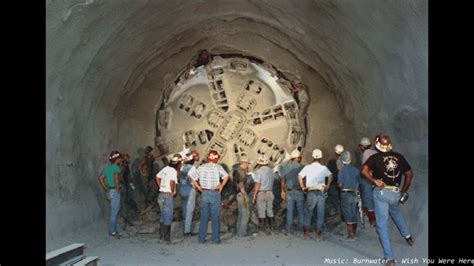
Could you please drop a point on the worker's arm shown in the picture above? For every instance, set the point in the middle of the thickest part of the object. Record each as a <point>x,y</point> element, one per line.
<point>408,179</point>
<point>368,174</point>
<point>102,182</point>
<point>283,189</point>
<point>222,185</point>
<point>329,183</point>
<point>300,180</point>
<point>172,186</point>
<point>257,187</point>
<point>196,185</point>
<point>117,184</point>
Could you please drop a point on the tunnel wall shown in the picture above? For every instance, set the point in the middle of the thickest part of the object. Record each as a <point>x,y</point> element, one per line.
<point>364,62</point>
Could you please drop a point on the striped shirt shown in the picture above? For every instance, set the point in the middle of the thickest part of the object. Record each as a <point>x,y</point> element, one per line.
<point>209,175</point>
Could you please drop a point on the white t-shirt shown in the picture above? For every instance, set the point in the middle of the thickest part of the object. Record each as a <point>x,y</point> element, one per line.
<point>315,174</point>
<point>167,174</point>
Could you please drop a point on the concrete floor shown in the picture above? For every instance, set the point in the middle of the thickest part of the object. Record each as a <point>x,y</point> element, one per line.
<point>275,249</point>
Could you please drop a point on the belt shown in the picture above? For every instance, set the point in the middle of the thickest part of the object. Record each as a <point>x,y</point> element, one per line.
<point>210,189</point>
<point>320,187</point>
<point>264,190</point>
<point>166,193</point>
<point>111,187</point>
<point>393,188</point>
<point>348,190</point>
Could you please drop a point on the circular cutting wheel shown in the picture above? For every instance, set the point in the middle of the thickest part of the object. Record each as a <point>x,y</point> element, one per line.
<point>238,107</point>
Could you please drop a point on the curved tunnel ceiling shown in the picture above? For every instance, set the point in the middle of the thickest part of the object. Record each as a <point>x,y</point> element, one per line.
<point>108,62</point>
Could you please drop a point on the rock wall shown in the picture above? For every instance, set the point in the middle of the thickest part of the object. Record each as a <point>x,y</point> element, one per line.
<point>364,63</point>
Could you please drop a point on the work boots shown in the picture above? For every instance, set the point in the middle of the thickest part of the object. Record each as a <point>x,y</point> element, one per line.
<point>167,234</point>
<point>350,232</point>
<point>272,223</point>
<point>371,215</point>
<point>305,232</point>
<point>318,234</point>
<point>268,225</point>
<point>162,231</point>
<point>261,224</point>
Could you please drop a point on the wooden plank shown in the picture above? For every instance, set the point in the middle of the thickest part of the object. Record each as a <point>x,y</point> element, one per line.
<point>63,254</point>
<point>88,261</point>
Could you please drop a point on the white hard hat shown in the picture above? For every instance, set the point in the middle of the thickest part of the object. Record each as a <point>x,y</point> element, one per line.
<point>339,149</point>
<point>317,154</point>
<point>295,154</point>
<point>243,159</point>
<point>262,160</point>
<point>176,158</point>
<point>346,157</point>
<point>365,141</point>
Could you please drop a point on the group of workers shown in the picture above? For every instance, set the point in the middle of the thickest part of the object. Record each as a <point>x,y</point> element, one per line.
<point>373,178</point>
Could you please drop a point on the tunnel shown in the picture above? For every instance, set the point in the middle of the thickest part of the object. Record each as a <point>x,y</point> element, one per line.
<point>110,64</point>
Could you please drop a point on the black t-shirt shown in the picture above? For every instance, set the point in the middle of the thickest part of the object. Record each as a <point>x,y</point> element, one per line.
<point>125,169</point>
<point>388,166</point>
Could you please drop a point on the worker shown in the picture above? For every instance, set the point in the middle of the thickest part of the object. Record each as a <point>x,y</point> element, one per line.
<point>385,170</point>
<point>291,191</point>
<point>314,185</point>
<point>167,180</point>
<point>207,180</point>
<point>348,184</point>
<point>109,180</point>
<point>263,194</point>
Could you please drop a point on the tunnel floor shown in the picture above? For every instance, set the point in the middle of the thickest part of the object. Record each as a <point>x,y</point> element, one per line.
<point>146,249</point>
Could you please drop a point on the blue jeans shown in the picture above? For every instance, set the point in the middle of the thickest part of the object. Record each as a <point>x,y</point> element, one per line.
<point>293,197</point>
<point>349,207</point>
<point>386,202</point>
<point>114,197</point>
<point>189,202</point>
<point>314,198</point>
<point>243,202</point>
<point>210,206</point>
<point>166,208</point>
<point>367,197</point>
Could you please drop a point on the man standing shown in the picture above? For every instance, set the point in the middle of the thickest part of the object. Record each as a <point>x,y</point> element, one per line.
<point>315,176</point>
<point>334,165</point>
<point>187,191</point>
<point>385,170</point>
<point>109,180</point>
<point>146,167</point>
<point>209,176</point>
<point>166,180</point>
<point>242,187</point>
<point>127,202</point>
<point>365,185</point>
<point>291,191</point>
<point>263,193</point>
<point>348,184</point>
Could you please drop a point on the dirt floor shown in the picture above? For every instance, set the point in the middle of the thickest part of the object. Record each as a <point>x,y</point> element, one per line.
<point>274,249</point>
